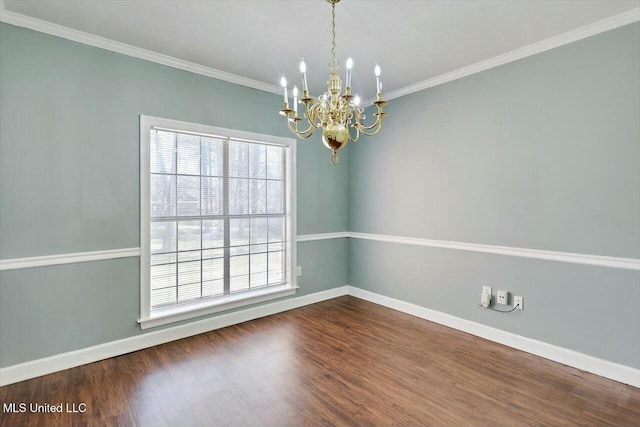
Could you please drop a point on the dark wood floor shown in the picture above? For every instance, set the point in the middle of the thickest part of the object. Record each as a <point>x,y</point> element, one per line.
<point>343,362</point>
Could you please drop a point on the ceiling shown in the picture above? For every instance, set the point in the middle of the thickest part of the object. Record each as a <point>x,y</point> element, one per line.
<point>413,41</point>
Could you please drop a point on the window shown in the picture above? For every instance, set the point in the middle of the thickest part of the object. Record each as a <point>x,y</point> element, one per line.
<point>217,219</point>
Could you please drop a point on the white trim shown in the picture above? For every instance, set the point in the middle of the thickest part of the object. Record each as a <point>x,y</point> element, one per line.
<point>580,33</point>
<point>604,368</point>
<point>227,302</point>
<point>149,319</point>
<point>59,362</point>
<point>322,236</point>
<point>46,27</point>
<point>597,260</point>
<point>59,259</point>
<point>46,260</point>
<point>575,258</point>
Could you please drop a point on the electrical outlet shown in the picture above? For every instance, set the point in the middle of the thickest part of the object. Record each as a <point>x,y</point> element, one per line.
<point>485,297</point>
<point>518,301</point>
<point>299,271</point>
<point>503,297</point>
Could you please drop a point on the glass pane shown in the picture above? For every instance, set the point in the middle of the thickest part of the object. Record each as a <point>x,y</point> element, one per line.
<point>238,265</point>
<point>238,159</point>
<point>258,279</point>
<point>212,233</point>
<point>164,258</point>
<point>239,250</point>
<point>258,263</point>
<point>258,161</point>
<point>257,196</point>
<point>275,197</point>
<point>212,159</point>
<point>239,231</point>
<point>274,247</point>
<point>188,235</point>
<point>162,189</point>
<point>189,256</point>
<point>163,236</point>
<point>212,196</point>
<point>213,269</point>
<point>258,230</point>
<point>212,288</point>
<point>276,229</point>
<point>161,297</point>
<point>189,292</point>
<point>239,283</point>
<point>188,154</point>
<point>257,249</point>
<point>163,152</point>
<point>188,196</point>
<point>188,272</point>
<point>276,267</point>
<point>275,157</point>
<point>238,196</point>
<point>212,253</point>
<point>163,276</point>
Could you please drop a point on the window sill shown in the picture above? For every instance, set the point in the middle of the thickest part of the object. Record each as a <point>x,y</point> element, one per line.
<point>228,302</point>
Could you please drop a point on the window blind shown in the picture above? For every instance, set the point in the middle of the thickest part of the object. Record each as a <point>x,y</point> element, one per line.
<point>217,216</point>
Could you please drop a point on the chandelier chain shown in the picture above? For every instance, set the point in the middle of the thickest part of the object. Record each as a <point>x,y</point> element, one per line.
<point>333,33</point>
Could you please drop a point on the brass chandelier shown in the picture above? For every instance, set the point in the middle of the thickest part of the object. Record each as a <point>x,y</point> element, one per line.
<point>334,111</point>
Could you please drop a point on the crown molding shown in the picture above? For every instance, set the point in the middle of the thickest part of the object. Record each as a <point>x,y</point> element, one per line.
<point>580,33</point>
<point>46,27</point>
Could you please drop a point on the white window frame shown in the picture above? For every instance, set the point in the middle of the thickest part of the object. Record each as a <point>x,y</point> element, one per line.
<point>149,318</point>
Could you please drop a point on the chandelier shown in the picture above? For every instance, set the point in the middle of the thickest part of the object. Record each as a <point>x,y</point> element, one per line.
<point>337,113</point>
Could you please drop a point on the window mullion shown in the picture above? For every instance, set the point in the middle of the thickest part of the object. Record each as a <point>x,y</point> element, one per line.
<point>175,136</point>
<point>225,208</point>
<point>201,222</point>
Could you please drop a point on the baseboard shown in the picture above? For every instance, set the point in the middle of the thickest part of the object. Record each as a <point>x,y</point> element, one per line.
<point>48,365</point>
<point>59,362</point>
<point>594,365</point>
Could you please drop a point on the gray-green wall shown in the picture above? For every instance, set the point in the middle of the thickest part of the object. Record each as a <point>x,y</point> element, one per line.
<point>541,153</point>
<point>69,182</point>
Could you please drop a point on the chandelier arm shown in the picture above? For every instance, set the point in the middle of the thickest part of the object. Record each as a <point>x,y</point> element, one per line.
<point>302,134</point>
<point>312,115</point>
<point>379,126</point>
<point>356,117</point>
<point>378,115</point>
<point>357,137</point>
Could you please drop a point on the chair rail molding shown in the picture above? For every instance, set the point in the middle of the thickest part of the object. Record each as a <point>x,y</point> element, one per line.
<point>575,258</point>
<point>570,257</point>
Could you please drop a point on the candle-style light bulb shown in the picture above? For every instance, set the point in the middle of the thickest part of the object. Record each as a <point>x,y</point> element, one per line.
<point>356,101</point>
<point>295,99</point>
<point>377,71</point>
<point>303,70</point>
<point>349,67</point>
<point>283,83</point>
